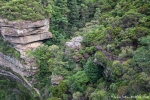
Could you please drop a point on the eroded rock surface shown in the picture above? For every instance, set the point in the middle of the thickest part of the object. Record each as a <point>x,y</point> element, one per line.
<point>23,28</point>
<point>15,70</point>
<point>55,79</point>
<point>23,32</point>
<point>25,36</point>
<point>75,43</point>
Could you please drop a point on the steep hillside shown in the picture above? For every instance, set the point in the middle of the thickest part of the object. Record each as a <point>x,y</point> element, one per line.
<point>100,49</point>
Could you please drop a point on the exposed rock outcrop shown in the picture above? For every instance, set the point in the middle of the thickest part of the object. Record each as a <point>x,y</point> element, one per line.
<point>25,36</point>
<point>75,43</point>
<point>105,57</point>
<point>14,77</point>
<point>13,69</point>
<point>55,79</point>
<point>16,66</point>
<point>22,29</point>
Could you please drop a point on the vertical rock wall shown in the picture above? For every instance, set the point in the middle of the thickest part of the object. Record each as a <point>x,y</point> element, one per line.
<point>24,36</point>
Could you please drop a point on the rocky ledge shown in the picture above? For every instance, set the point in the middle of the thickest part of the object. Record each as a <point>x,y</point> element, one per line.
<point>25,35</point>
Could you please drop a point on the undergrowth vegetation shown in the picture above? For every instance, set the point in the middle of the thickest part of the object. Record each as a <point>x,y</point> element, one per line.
<point>114,60</point>
<point>25,10</point>
<point>7,49</point>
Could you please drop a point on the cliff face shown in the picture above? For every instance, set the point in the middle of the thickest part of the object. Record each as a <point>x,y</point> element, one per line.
<point>24,32</point>
<point>24,36</point>
<point>12,68</point>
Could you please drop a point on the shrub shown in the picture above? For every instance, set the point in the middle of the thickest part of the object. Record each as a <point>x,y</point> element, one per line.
<point>101,58</point>
<point>58,91</point>
<point>130,19</point>
<point>126,52</point>
<point>23,9</point>
<point>92,71</point>
<point>77,96</point>
<point>99,95</point>
<point>77,82</point>
<point>6,49</point>
<point>117,69</point>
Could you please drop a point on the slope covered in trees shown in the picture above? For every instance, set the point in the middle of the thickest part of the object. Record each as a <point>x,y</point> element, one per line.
<point>116,41</point>
<point>25,9</point>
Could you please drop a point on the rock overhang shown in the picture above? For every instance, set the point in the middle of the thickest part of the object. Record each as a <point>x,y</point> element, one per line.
<point>24,36</point>
<point>24,32</point>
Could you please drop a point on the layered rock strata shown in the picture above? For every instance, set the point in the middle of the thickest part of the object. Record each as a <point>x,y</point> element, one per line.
<point>13,69</point>
<point>25,36</point>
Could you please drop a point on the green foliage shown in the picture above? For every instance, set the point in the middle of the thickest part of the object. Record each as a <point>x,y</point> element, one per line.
<point>117,68</point>
<point>127,52</point>
<point>92,70</point>
<point>58,91</point>
<point>42,55</point>
<point>59,22</point>
<point>74,12</point>
<point>88,91</point>
<point>54,98</point>
<point>68,16</point>
<point>121,27</point>
<point>47,57</point>
<point>7,49</point>
<point>142,58</point>
<point>143,96</point>
<point>24,10</point>
<point>130,18</point>
<point>101,58</point>
<point>77,96</point>
<point>90,50</point>
<point>145,41</point>
<point>77,82</point>
<point>49,60</point>
<point>11,90</point>
<point>99,95</point>
<point>94,37</point>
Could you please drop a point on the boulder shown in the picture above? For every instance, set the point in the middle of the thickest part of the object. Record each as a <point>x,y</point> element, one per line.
<point>55,79</point>
<point>75,43</point>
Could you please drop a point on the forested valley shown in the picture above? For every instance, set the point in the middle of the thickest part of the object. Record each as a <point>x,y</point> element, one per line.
<point>113,62</point>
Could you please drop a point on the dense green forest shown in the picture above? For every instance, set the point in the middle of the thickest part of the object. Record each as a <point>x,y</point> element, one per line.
<point>11,90</point>
<point>115,32</point>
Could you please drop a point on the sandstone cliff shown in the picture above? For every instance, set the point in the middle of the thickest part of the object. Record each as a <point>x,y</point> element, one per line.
<point>24,36</point>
